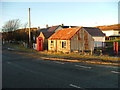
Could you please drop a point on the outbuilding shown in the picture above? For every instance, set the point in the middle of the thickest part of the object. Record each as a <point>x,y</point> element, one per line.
<point>97,35</point>
<point>42,42</point>
<point>71,40</point>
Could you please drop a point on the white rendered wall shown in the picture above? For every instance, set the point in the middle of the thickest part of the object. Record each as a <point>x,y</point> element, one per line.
<point>98,41</point>
<point>112,32</point>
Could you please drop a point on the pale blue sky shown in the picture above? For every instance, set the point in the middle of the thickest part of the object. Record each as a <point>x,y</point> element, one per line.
<point>56,13</point>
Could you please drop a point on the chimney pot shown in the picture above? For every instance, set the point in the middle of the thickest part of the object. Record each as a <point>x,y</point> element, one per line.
<point>46,25</point>
<point>62,24</point>
<point>38,28</point>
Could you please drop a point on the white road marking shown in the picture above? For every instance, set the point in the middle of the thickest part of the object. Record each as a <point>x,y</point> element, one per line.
<point>18,66</point>
<point>9,62</point>
<point>74,86</point>
<point>115,72</point>
<point>83,66</point>
<point>10,49</point>
<point>111,66</point>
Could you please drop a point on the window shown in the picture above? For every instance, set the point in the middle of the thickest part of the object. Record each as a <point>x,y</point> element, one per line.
<point>51,42</point>
<point>63,44</point>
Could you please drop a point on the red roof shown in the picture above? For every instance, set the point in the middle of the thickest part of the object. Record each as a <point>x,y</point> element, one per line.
<point>109,27</point>
<point>64,34</point>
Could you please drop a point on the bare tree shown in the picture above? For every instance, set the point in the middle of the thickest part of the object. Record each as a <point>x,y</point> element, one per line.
<point>9,29</point>
<point>11,25</point>
<point>25,25</point>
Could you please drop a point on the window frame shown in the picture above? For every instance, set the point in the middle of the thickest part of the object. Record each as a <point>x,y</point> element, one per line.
<point>64,45</point>
<point>52,43</point>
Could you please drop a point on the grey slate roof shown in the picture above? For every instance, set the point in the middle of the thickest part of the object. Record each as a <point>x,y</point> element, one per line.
<point>94,31</point>
<point>43,29</point>
<point>53,28</point>
<point>47,34</point>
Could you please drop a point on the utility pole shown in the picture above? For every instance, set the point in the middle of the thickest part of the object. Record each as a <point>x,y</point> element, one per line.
<point>29,26</point>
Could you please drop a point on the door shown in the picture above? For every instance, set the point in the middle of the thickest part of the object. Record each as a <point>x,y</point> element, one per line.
<point>39,43</point>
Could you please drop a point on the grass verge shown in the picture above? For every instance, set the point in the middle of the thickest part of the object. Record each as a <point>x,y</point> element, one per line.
<point>62,55</point>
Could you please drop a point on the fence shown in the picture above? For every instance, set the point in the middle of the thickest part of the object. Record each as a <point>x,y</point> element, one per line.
<point>111,48</point>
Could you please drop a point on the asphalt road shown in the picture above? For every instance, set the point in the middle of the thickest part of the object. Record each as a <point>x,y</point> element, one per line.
<point>20,71</point>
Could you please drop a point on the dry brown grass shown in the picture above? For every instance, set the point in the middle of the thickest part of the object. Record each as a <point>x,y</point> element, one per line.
<point>62,55</point>
<point>77,55</point>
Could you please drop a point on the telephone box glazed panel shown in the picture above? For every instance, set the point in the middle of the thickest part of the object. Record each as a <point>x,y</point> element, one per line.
<point>39,43</point>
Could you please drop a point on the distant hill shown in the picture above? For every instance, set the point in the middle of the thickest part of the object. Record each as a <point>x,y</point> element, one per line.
<point>110,27</point>
<point>26,29</point>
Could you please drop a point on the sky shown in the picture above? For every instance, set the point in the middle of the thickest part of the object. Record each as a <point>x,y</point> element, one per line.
<point>56,13</point>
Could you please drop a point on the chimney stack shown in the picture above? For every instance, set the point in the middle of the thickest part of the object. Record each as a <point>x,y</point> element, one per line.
<point>62,24</point>
<point>46,25</point>
<point>38,27</point>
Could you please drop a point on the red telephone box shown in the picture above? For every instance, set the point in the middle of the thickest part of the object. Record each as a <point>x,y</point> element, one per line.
<point>116,47</point>
<point>39,41</point>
